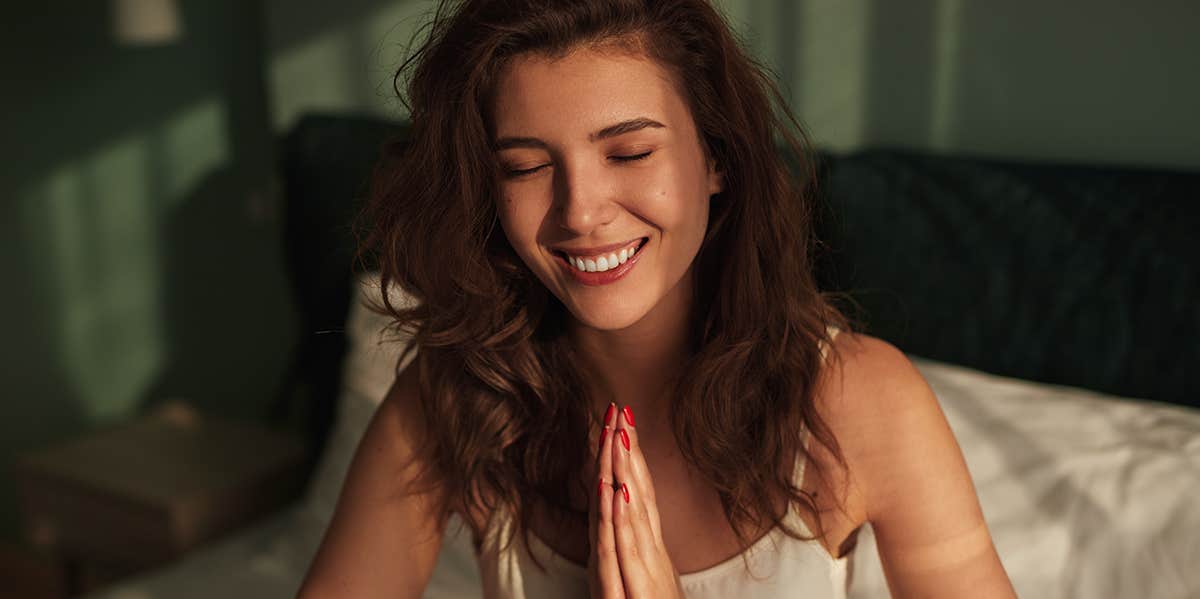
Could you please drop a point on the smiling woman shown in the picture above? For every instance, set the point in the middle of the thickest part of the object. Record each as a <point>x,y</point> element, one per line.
<point>591,213</point>
<point>580,116</point>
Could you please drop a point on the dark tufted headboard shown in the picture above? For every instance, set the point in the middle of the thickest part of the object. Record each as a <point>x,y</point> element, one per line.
<point>1077,275</point>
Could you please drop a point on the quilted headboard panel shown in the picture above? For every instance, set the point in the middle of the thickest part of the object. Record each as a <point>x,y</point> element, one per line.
<point>1080,275</point>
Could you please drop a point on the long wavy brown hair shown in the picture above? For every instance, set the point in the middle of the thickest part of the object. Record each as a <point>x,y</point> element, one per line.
<point>501,394</point>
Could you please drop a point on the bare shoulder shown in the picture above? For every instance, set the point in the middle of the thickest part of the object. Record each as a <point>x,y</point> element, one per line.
<point>868,366</point>
<point>884,414</point>
<point>867,383</point>
<point>866,387</point>
<point>385,534</point>
<point>909,473</point>
<point>400,414</point>
<point>395,433</point>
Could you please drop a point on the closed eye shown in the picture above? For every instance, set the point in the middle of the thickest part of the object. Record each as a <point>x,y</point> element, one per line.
<point>631,158</point>
<point>528,171</point>
<point>521,172</point>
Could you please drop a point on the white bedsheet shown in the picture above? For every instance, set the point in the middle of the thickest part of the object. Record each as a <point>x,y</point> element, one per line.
<point>1086,496</point>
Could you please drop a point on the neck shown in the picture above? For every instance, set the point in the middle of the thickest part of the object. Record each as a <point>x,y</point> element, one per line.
<point>632,366</point>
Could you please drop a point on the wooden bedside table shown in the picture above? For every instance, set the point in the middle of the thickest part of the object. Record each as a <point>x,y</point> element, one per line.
<point>135,496</point>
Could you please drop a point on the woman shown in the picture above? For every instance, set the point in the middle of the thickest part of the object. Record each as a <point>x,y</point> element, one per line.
<point>621,350</point>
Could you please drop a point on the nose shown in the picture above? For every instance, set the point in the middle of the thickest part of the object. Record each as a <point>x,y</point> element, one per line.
<point>585,199</point>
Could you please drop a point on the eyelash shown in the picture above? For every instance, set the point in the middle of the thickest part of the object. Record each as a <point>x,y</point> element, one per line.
<point>528,171</point>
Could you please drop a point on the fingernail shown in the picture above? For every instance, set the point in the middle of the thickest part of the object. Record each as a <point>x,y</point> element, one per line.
<point>625,491</point>
<point>603,436</point>
<point>629,416</point>
<point>608,414</point>
<point>624,439</point>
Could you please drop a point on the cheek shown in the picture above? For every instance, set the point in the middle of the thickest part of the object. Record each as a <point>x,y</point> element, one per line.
<point>681,211</point>
<point>520,221</point>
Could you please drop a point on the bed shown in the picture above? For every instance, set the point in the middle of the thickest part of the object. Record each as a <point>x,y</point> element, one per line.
<point>1051,307</point>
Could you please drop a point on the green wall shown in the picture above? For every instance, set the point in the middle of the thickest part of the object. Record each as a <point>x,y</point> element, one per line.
<point>1096,81</point>
<point>139,227</point>
<point>140,223</point>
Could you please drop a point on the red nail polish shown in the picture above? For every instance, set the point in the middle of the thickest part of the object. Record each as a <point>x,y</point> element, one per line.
<point>603,435</point>
<point>608,414</point>
<point>625,490</point>
<point>629,416</point>
<point>625,439</point>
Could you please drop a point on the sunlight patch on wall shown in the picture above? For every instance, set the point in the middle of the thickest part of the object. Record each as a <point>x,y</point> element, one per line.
<point>194,144</point>
<point>315,75</point>
<point>103,255</point>
<point>349,67</point>
<point>737,12</point>
<point>831,91</point>
<point>946,48</point>
<point>387,33</point>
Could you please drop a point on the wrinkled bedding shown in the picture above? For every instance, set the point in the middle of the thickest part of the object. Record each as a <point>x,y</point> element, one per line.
<point>1086,495</point>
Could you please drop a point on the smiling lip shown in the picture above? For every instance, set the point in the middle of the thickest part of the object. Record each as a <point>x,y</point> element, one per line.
<point>592,251</point>
<point>606,277</point>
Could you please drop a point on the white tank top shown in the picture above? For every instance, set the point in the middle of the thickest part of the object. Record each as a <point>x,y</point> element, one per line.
<point>781,565</point>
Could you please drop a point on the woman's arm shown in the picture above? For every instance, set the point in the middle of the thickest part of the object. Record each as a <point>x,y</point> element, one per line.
<point>382,541</point>
<point>918,494</point>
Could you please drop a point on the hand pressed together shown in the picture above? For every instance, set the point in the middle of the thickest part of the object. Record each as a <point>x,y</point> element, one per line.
<point>628,559</point>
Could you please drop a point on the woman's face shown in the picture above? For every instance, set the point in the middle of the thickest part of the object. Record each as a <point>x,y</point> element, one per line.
<point>586,185</point>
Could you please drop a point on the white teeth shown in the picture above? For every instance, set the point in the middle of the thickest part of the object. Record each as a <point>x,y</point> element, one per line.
<point>608,262</point>
<point>603,263</point>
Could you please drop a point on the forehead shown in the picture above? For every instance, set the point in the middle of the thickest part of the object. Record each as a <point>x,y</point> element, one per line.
<point>583,91</point>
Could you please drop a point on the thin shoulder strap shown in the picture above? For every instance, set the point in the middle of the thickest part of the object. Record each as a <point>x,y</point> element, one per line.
<point>832,331</point>
<point>806,433</point>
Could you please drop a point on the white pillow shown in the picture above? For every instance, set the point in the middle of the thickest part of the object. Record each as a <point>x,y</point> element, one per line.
<point>367,375</point>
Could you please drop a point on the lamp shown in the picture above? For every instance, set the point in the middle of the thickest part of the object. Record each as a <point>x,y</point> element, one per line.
<point>146,22</point>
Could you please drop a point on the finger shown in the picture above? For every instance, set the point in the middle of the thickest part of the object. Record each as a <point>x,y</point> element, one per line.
<point>591,468</point>
<point>629,550</point>
<point>640,474</point>
<point>604,542</point>
<point>601,467</point>
<point>595,587</point>
<point>635,543</point>
<point>623,472</point>
<point>608,566</point>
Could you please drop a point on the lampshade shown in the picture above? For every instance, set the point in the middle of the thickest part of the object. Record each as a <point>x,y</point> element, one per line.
<point>146,22</point>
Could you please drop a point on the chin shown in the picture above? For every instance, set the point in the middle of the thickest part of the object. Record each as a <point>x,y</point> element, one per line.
<point>608,318</point>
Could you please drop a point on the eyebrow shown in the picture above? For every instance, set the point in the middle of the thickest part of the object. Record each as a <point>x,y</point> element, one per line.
<point>620,128</point>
